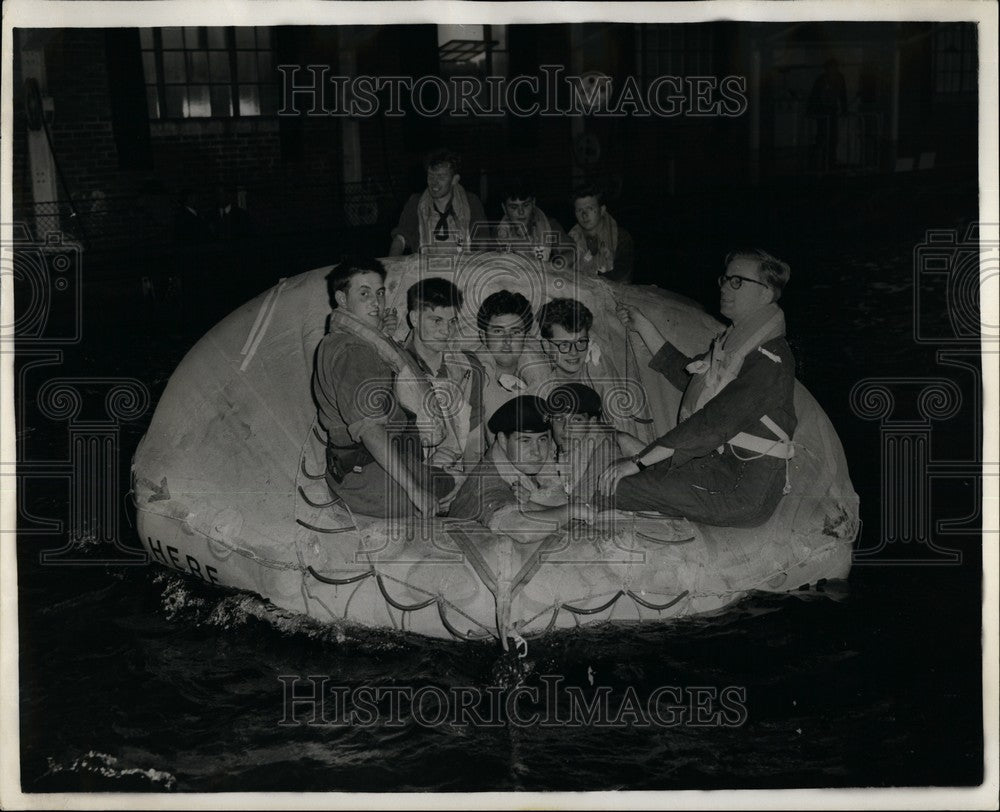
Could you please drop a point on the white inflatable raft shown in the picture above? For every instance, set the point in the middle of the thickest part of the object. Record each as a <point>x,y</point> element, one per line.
<point>228,484</point>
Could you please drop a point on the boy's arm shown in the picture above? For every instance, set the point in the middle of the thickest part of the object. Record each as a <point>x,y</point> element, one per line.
<point>376,440</point>
<point>407,231</point>
<point>629,444</point>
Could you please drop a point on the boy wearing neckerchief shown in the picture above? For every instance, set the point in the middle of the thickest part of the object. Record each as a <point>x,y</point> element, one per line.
<point>524,226</point>
<point>603,248</point>
<point>444,215</point>
<point>499,492</point>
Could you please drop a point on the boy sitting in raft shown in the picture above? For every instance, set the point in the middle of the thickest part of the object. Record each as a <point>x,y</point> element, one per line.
<point>499,492</point>
<point>432,306</point>
<point>444,215</point>
<point>725,463</point>
<point>585,444</point>
<point>372,405</point>
<point>564,325</point>
<point>524,226</point>
<point>603,248</point>
<point>504,321</point>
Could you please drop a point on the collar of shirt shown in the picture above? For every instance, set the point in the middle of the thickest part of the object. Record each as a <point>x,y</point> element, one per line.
<point>411,347</point>
<point>512,380</point>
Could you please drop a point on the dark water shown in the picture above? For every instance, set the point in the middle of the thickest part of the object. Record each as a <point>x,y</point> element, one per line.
<point>132,679</point>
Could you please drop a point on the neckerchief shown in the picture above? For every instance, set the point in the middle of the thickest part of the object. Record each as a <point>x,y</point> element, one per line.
<point>725,359</point>
<point>431,219</point>
<point>441,229</point>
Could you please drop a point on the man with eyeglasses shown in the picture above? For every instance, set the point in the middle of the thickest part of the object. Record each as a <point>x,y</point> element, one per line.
<point>726,461</point>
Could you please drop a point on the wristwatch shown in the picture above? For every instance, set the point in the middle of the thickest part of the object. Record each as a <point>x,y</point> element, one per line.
<point>638,462</point>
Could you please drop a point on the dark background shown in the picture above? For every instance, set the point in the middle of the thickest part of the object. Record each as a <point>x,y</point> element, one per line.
<point>884,679</point>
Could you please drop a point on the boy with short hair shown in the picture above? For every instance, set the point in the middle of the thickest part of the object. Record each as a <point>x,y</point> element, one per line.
<point>432,306</point>
<point>564,325</point>
<point>524,225</point>
<point>504,322</point>
<point>499,492</point>
<point>372,423</point>
<point>571,356</point>
<point>603,248</point>
<point>444,215</point>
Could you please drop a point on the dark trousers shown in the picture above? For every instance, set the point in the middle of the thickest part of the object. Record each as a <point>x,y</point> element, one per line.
<point>718,489</point>
<point>374,492</point>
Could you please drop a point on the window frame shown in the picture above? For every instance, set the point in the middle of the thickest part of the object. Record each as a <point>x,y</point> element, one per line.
<point>965,70</point>
<point>232,50</point>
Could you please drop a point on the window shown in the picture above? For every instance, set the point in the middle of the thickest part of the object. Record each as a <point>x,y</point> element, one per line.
<point>208,72</point>
<point>955,62</point>
<point>472,50</point>
<point>673,49</point>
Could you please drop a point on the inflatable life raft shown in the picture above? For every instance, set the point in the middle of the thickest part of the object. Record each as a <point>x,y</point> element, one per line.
<point>228,483</point>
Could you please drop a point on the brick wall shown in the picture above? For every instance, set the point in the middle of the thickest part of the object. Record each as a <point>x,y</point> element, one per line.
<point>121,206</point>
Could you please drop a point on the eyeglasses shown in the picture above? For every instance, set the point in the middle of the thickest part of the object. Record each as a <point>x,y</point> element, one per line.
<point>565,346</point>
<point>736,282</point>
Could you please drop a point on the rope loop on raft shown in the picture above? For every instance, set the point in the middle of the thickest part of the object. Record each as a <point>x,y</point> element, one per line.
<point>325,530</point>
<point>339,581</point>
<point>319,505</point>
<point>307,475</point>
<point>402,607</point>
<point>657,607</point>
